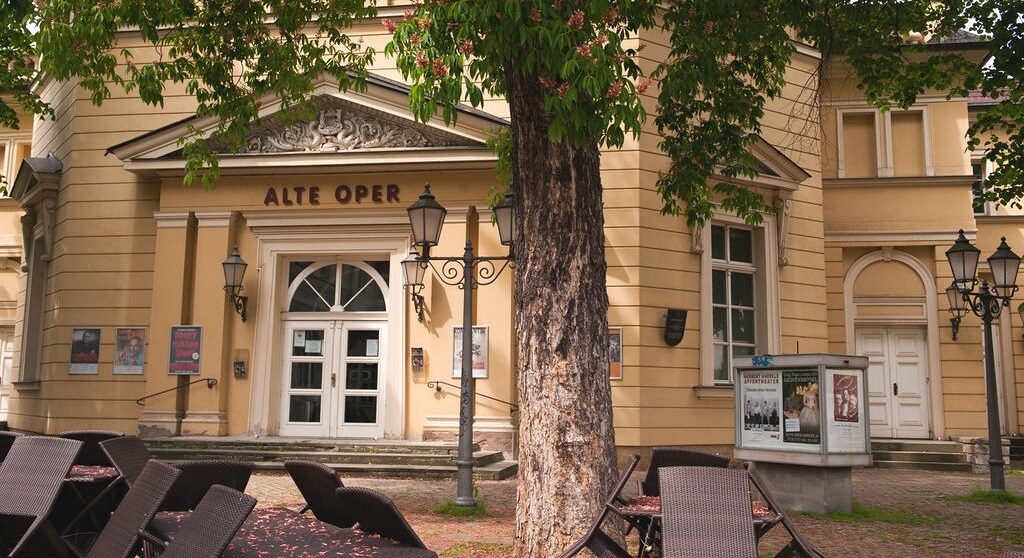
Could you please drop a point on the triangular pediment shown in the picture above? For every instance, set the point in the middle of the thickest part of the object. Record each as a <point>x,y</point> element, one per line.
<point>335,129</point>
<point>776,165</point>
<point>775,170</point>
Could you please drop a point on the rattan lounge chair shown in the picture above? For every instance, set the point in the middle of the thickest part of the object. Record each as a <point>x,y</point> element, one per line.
<point>128,454</point>
<point>209,529</point>
<point>6,441</point>
<point>91,453</point>
<point>31,477</point>
<point>798,547</point>
<point>675,457</point>
<point>596,540</point>
<point>120,537</point>
<point>198,476</point>
<point>377,515</point>
<point>706,512</point>
<point>317,483</point>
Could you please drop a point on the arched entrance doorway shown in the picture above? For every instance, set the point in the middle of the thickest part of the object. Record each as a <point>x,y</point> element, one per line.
<point>334,368</point>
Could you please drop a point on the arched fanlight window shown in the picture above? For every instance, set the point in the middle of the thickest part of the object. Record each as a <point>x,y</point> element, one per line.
<point>338,287</point>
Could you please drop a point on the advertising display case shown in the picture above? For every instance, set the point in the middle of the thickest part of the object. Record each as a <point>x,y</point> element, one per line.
<point>804,418</point>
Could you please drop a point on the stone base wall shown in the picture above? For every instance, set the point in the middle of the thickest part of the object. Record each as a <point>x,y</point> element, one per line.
<point>976,450</point>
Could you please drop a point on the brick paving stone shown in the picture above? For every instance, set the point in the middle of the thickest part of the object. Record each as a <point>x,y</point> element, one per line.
<point>930,524</point>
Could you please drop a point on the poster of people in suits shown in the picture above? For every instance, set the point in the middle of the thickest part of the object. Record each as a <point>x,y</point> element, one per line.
<point>762,399</point>
<point>846,409</point>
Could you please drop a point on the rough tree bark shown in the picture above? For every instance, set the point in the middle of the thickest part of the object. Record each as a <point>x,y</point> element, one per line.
<point>567,444</point>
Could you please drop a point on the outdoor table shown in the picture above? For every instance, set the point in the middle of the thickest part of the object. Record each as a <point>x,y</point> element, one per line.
<point>86,488</point>
<point>278,532</point>
<point>644,513</point>
<point>91,474</point>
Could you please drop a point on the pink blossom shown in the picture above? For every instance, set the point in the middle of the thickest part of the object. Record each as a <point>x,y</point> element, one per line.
<point>614,90</point>
<point>389,25</point>
<point>466,47</point>
<point>643,86</point>
<point>584,50</point>
<point>576,19</point>
<point>421,59</point>
<point>535,15</point>
<point>562,88</point>
<point>440,69</point>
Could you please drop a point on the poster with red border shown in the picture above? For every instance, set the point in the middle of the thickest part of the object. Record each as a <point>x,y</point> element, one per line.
<point>186,346</point>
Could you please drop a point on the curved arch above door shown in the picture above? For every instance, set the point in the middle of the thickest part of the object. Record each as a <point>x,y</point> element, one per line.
<point>877,327</point>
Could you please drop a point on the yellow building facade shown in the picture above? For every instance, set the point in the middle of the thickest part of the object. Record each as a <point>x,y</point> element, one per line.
<point>108,241</point>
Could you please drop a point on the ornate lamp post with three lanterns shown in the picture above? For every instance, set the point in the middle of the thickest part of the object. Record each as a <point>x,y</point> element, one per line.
<point>467,273</point>
<point>987,303</point>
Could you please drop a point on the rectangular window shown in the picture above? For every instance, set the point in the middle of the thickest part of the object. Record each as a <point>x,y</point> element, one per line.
<point>733,297</point>
<point>12,151</point>
<point>978,187</point>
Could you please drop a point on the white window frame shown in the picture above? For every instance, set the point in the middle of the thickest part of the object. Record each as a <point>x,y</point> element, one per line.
<point>884,158</point>
<point>986,169</point>
<point>10,142</point>
<point>766,295</point>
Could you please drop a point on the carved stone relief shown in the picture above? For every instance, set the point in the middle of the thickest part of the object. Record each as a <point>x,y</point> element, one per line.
<point>342,126</point>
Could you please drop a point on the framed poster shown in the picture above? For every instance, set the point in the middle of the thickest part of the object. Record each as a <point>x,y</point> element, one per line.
<point>761,393</point>
<point>479,352</point>
<point>85,351</point>
<point>129,350</point>
<point>186,345</point>
<point>801,407</point>
<point>846,425</point>
<point>615,353</point>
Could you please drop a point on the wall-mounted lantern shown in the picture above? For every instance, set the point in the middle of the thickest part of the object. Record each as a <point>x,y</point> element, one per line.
<point>234,271</point>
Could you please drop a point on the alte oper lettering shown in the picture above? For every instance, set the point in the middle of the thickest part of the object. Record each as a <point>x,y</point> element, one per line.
<point>343,194</point>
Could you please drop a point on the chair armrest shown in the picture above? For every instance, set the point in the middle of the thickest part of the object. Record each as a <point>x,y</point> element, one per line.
<point>150,543</point>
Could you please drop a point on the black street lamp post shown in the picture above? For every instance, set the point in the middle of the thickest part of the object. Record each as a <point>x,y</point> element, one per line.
<point>467,273</point>
<point>987,303</point>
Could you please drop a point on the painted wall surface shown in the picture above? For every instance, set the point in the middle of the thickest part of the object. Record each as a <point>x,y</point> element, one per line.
<point>871,203</point>
<point>886,234</point>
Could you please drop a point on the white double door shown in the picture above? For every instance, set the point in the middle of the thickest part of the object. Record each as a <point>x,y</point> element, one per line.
<point>897,381</point>
<point>334,375</point>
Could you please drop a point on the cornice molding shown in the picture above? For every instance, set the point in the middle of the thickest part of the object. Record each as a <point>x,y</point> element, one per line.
<point>889,182</point>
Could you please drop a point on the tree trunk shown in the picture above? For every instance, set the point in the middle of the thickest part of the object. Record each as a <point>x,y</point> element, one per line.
<point>567,444</point>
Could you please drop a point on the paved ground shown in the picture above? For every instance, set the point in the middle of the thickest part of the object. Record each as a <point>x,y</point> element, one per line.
<point>906,514</point>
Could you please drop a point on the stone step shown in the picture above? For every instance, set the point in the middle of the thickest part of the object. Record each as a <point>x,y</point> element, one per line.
<point>340,457</point>
<point>289,444</point>
<point>380,458</point>
<point>495,471</point>
<point>919,457</point>
<point>924,446</point>
<point>925,455</point>
<point>1016,448</point>
<point>924,466</point>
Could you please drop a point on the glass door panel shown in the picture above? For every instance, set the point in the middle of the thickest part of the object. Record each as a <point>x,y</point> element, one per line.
<point>363,365</point>
<point>307,386</point>
<point>334,379</point>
